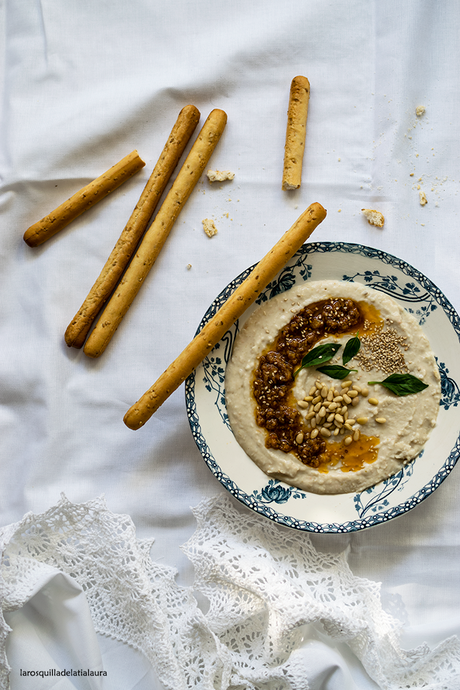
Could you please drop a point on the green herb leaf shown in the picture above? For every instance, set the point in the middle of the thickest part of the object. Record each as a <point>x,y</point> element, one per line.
<point>402,384</point>
<point>319,355</point>
<point>335,371</point>
<point>351,349</point>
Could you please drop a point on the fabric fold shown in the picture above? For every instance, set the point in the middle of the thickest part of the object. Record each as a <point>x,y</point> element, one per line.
<point>279,610</point>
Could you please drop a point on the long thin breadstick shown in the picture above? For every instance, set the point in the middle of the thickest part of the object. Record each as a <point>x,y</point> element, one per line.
<point>82,200</point>
<point>180,135</point>
<point>296,129</point>
<point>230,311</point>
<point>156,235</point>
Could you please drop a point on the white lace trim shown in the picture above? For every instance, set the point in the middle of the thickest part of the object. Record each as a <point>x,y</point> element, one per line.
<point>267,586</point>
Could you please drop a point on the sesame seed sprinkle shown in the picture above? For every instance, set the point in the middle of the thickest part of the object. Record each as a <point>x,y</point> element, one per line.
<point>384,351</point>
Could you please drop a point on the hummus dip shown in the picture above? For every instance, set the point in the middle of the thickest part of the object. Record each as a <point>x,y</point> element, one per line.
<point>317,432</point>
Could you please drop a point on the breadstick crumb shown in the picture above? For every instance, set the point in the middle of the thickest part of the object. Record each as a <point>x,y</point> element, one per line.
<point>209,227</point>
<point>373,217</point>
<point>220,175</point>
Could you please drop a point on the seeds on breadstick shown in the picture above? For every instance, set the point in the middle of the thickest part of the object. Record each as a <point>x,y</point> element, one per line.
<point>295,133</point>
<point>231,310</point>
<point>180,135</point>
<point>156,235</point>
<point>83,200</point>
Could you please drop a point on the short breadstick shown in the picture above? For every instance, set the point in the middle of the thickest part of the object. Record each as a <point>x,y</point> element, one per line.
<point>295,132</point>
<point>83,200</point>
<point>156,235</point>
<point>180,134</point>
<point>231,310</point>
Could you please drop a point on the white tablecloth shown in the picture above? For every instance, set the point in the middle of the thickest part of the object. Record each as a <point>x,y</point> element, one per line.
<point>85,83</point>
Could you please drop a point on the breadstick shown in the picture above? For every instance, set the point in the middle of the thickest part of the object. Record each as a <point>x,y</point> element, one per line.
<point>295,132</point>
<point>180,134</point>
<point>231,310</point>
<point>83,200</point>
<point>156,235</point>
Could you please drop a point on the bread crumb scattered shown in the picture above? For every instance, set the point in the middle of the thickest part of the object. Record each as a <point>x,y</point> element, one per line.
<point>189,266</point>
<point>420,110</point>
<point>373,217</point>
<point>423,199</point>
<point>220,175</point>
<point>209,227</point>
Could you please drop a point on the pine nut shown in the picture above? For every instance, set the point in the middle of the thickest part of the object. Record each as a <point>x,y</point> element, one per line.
<point>312,390</point>
<point>310,415</point>
<point>373,401</point>
<point>346,399</point>
<point>351,421</point>
<point>380,420</point>
<point>324,392</point>
<point>333,406</point>
<point>362,420</point>
<point>299,438</point>
<point>330,417</point>
<point>325,432</point>
<point>330,395</point>
<point>365,392</point>
<point>336,432</point>
<point>346,384</point>
<point>357,388</point>
<point>352,394</point>
<point>317,407</point>
<point>322,412</point>
<point>339,418</point>
<point>356,435</point>
<point>313,423</point>
<point>338,398</point>
<point>308,398</point>
<point>316,400</point>
<point>304,405</point>
<point>347,440</point>
<point>314,433</point>
<point>355,402</point>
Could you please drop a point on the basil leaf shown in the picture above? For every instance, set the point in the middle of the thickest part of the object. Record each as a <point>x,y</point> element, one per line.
<point>351,349</point>
<point>402,384</point>
<point>319,355</point>
<point>335,371</point>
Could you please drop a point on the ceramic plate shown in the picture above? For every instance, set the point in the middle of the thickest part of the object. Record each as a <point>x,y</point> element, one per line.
<point>205,398</point>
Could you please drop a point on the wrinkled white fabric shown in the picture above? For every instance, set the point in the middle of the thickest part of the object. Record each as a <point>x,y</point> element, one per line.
<point>277,606</point>
<point>83,83</point>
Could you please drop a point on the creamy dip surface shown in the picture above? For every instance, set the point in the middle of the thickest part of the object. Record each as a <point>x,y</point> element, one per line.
<point>361,433</point>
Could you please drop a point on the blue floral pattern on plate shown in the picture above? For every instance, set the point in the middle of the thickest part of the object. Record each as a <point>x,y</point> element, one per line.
<point>276,492</point>
<point>378,504</point>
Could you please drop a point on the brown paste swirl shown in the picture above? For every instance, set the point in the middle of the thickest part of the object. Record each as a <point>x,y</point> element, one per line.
<point>274,375</point>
